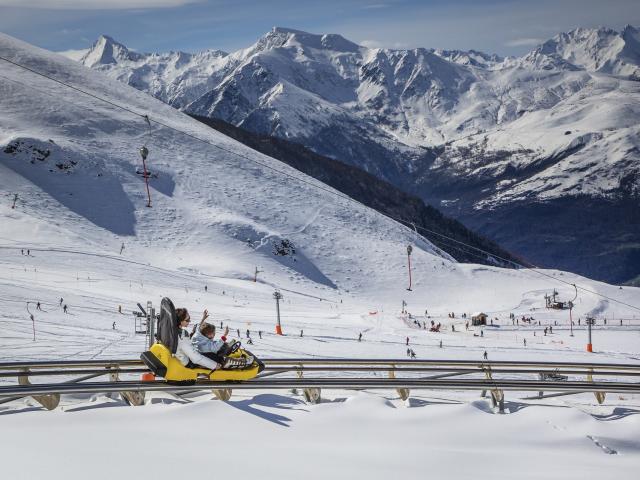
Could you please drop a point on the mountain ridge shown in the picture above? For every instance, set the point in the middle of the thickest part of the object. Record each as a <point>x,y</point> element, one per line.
<point>471,133</point>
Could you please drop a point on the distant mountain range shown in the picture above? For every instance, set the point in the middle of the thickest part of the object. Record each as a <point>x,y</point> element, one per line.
<point>540,152</point>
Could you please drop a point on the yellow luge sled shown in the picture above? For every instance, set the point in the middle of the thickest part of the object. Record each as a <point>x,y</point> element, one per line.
<point>163,364</point>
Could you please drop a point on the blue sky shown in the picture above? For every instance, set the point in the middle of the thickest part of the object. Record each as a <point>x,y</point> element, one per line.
<point>506,27</point>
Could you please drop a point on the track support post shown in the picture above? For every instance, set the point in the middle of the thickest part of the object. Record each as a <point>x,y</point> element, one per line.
<point>135,399</point>
<point>311,395</point>
<point>600,396</point>
<point>402,392</point>
<point>223,394</point>
<point>497,395</point>
<point>49,401</point>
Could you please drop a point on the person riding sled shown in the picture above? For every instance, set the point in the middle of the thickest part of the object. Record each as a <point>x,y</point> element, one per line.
<point>217,350</point>
<point>175,358</point>
<point>185,353</point>
<point>203,340</point>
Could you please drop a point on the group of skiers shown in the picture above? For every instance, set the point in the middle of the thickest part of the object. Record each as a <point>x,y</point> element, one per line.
<point>64,306</point>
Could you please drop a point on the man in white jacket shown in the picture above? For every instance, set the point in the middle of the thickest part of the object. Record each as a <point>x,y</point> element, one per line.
<point>189,356</point>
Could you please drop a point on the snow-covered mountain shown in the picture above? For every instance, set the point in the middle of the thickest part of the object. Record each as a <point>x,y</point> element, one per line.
<point>595,50</point>
<point>219,208</point>
<point>73,161</point>
<point>479,136</point>
<point>75,228</point>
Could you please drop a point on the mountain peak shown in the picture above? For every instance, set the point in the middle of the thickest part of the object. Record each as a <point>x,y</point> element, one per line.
<point>106,51</point>
<point>280,36</point>
<point>593,49</point>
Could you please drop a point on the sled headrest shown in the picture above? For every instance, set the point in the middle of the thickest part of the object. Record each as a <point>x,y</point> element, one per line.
<point>168,330</point>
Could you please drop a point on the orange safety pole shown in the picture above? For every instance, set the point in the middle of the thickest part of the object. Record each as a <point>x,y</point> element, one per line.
<point>590,321</point>
<point>278,296</point>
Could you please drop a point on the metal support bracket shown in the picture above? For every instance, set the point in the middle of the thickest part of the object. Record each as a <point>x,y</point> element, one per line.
<point>497,395</point>
<point>402,392</point>
<point>135,399</point>
<point>600,396</point>
<point>223,394</point>
<point>49,401</point>
<point>311,395</point>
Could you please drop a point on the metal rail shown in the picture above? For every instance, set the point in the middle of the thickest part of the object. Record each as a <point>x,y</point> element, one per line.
<point>330,368</point>
<point>70,371</point>
<point>297,362</point>
<point>328,383</point>
<point>440,375</point>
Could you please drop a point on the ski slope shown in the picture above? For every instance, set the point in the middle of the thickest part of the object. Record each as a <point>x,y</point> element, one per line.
<point>81,232</point>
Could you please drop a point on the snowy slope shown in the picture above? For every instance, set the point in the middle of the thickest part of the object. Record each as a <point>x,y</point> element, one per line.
<point>215,211</point>
<point>80,233</point>
<point>477,135</point>
<point>203,195</point>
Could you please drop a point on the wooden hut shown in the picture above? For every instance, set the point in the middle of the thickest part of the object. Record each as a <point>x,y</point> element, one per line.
<point>479,318</point>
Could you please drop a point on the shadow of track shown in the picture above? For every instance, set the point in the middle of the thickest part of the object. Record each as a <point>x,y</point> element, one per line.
<point>270,401</point>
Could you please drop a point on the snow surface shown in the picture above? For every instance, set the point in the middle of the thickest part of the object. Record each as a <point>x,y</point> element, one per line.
<point>213,219</point>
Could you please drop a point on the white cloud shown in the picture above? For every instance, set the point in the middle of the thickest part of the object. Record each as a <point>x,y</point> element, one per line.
<point>94,4</point>
<point>370,43</point>
<point>524,42</point>
<point>377,44</point>
<point>375,6</point>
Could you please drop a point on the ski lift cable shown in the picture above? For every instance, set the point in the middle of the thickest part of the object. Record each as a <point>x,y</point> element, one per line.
<point>302,180</point>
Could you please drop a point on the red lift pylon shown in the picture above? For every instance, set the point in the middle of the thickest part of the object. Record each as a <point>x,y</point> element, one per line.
<point>409,250</point>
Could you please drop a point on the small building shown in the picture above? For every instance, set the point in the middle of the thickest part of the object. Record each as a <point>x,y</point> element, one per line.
<point>479,318</point>
<point>552,301</point>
